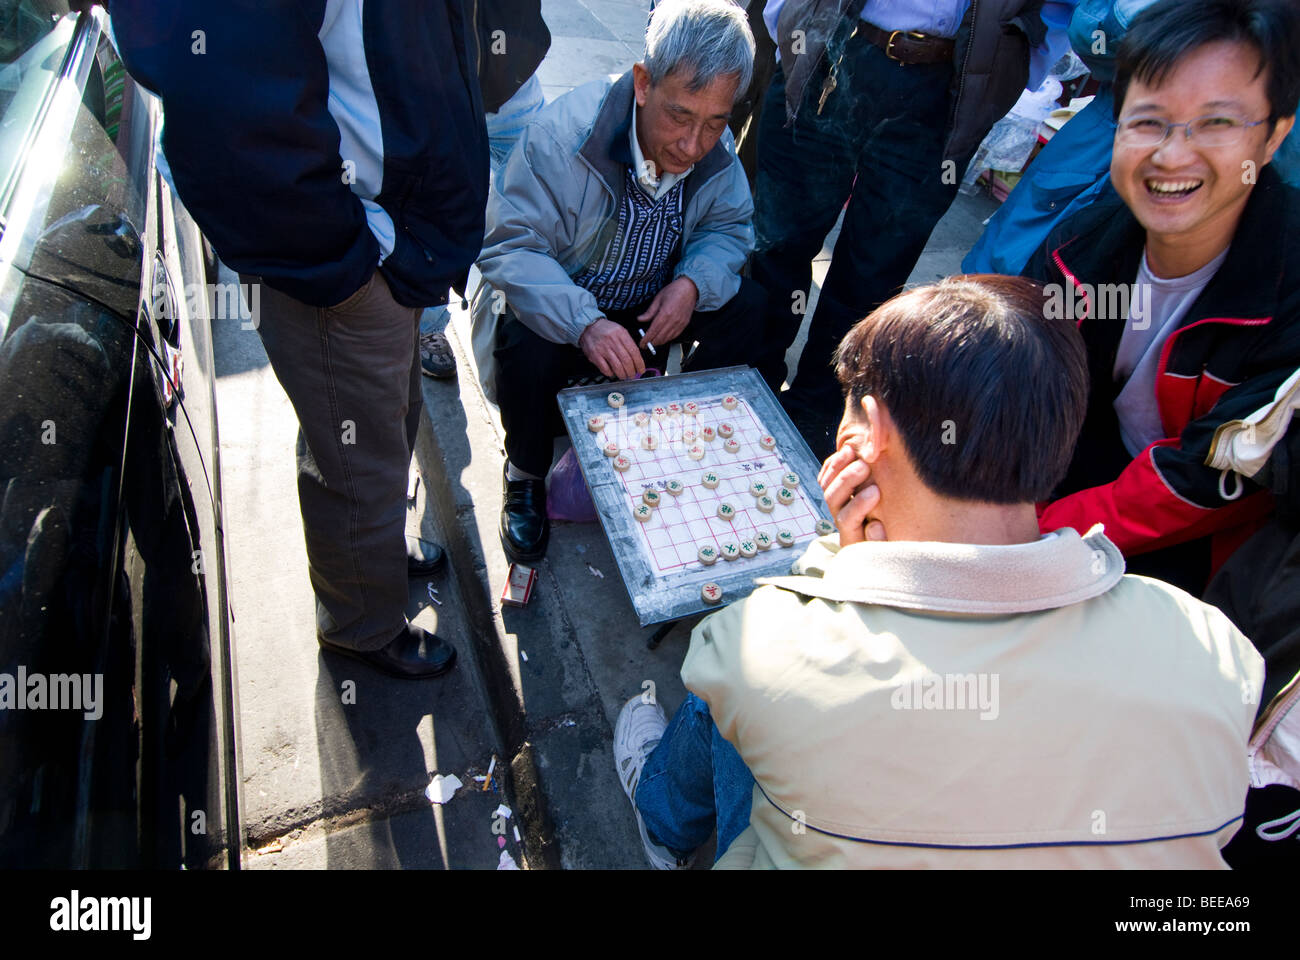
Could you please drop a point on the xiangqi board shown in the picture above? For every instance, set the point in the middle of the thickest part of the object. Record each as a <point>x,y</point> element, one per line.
<point>700,482</point>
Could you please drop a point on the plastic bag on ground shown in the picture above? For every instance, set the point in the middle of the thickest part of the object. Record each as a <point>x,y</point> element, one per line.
<point>568,498</point>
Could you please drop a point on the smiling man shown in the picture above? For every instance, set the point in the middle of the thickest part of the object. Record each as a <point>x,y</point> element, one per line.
<point>1187,284</point>
<point>619,226</point>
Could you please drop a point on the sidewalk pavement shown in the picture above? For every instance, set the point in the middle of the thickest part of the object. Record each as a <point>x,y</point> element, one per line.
<point>336,758</point>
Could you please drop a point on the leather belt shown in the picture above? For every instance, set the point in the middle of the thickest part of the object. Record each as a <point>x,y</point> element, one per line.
<point>907,46</point>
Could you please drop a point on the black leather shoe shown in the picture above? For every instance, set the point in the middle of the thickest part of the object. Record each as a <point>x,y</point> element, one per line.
<point>525,528</point>
<point>423,557</point>
<point>413,654</point>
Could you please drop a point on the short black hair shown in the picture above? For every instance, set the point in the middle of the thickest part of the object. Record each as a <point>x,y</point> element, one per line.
<point>987,392</point>
<point>1167,31</point>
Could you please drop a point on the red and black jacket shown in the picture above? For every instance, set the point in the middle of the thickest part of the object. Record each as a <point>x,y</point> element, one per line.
<point>1171,515</point>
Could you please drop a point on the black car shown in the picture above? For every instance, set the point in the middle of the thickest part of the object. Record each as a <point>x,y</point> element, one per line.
<point>117,708</point>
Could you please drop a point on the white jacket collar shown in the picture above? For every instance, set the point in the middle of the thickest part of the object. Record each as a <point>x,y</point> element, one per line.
<point>1059,569</point>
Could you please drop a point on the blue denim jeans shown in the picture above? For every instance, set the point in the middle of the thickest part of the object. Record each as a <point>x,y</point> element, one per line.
<point>504,129</point>
<point>693,782</point>
<point>506,125</point>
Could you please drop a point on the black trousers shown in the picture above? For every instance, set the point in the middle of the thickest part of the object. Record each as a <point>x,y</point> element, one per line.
<point>878,141</point>
<point>532,370</point>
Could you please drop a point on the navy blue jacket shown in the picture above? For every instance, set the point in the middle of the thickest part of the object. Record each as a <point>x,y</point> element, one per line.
<point>254,151</point>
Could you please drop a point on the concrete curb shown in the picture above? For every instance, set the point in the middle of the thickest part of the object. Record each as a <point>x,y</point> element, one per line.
<point>453,516</point>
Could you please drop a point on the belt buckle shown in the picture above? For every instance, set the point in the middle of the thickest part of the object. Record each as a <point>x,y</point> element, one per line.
<point>889,44</point>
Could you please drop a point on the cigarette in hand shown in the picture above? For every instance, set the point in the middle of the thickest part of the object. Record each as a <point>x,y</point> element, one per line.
<point>648,346</point>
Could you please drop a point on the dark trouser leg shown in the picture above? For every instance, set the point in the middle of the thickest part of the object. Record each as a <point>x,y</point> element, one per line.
<point>732,334</point>
<point>415,392</point>
<point>530,372</point>
<point>745,117</point>
<point>693,782</point>
<point>902,191</point>
<point>348,371</point>
<point>804,175</point>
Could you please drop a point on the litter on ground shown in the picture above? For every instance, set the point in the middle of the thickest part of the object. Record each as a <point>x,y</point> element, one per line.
<point>443,788</point>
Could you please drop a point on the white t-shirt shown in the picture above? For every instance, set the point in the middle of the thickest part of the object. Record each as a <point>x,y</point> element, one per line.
<point>1157,307</point>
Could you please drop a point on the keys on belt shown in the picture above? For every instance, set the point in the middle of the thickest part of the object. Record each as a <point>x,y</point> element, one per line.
<point>904,46</point>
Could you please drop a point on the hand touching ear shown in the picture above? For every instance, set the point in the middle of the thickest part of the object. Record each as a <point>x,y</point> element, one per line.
<point>845,479</point>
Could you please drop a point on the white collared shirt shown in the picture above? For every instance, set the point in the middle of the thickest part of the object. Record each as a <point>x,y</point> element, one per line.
<point>654,186</point>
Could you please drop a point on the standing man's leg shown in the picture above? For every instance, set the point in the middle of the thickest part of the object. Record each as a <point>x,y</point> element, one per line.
<point>902,190</point>
<point>744,120</point>
<point>805,172</point>
<point>685,781</point>
<point>506,125</point>
<point>732,334</point>
<point>351,373</point>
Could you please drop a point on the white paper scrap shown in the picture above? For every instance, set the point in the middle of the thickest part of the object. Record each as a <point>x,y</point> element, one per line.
<point>502,811</point>
<point>507,862</point>
<point>443,788</point>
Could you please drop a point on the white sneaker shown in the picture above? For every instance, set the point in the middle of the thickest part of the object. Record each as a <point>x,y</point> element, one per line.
<point>638,731</point>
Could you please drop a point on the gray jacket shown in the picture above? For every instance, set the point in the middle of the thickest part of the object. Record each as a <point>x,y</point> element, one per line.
<point>555,206</point>
<point>991,58</point>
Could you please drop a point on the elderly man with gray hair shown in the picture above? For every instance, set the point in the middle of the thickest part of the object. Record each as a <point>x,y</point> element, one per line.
<point>622,209</point>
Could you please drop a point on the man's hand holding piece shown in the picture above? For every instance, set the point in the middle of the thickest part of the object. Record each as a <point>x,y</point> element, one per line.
<point>845,480</point>
<point>669,312</point>
<point>612,350</point>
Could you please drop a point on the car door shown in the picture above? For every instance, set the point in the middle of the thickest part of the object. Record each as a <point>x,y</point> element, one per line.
<point>112,568</point>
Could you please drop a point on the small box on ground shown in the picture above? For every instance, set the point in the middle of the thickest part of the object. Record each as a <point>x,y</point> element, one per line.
<point>519,585</point>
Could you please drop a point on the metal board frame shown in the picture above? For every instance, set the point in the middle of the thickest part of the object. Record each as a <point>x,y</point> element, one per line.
<point>658,596</point>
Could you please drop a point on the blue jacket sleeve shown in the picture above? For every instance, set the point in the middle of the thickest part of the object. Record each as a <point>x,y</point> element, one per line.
<point>252,147</point>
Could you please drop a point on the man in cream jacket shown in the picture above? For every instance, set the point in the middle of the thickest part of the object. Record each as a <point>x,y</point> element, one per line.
<point>970,692</point>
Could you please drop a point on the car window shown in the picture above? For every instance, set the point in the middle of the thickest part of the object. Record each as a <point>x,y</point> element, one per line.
<point>27,81</point>
<point>24,25</point>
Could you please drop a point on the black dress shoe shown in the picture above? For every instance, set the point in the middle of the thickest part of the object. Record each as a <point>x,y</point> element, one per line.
<point>423,557</point>
<point>413,654</point>
<point>525,528</point>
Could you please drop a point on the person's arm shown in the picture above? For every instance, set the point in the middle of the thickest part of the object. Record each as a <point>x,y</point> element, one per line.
<point>721,241</point>
<point>1056,16</point>
<point>251,144</point>
<point>527,223</point>
<point>1167,495</point>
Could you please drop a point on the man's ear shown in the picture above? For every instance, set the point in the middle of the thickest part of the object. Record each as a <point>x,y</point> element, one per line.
<point>1283,127</point>
<point>879,433</point>
<point>641,82</point>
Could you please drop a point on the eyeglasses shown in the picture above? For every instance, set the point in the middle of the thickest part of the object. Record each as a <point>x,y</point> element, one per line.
<point>1217,131</point>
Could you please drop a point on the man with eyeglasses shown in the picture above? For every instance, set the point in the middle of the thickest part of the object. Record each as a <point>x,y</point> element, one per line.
<point>1186,286</point>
